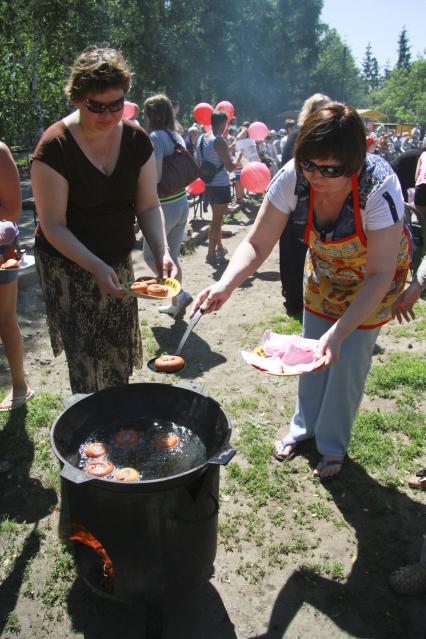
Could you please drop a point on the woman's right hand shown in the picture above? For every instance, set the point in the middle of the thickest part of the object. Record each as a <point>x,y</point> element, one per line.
<point>107,280</point>
<point>210,299</point>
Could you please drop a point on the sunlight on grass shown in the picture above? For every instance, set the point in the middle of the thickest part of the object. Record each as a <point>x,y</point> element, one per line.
<point>403,372</point>
<point>382,442</point>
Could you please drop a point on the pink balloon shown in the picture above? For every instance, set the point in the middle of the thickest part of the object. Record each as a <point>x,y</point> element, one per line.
<point>255,177</point>
<point>258,131</point>
<point>207,128</point>
<point>196,187</point>
<point>203,113</point>
<point>227,107</point>
<point>129,110</point>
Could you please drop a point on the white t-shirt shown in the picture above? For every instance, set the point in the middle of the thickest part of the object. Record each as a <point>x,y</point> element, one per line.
<point>381,200</point>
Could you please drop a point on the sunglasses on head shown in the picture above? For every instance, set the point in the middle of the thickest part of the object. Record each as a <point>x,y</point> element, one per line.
<point>100,107</point>
<point>325,170</point>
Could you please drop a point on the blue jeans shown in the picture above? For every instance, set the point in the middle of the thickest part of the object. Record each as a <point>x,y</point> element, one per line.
<point>327,402</point>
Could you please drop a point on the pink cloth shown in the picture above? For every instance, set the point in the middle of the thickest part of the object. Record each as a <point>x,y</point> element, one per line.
<point>285,354</point>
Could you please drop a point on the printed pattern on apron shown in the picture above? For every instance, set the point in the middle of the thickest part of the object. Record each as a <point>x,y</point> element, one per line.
<point>335,270</point>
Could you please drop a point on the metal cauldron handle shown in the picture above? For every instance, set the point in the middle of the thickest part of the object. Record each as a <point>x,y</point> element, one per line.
<point>200,519</point>
<point>74,474</point>
<point>223,456</point>
<point>70,401</point>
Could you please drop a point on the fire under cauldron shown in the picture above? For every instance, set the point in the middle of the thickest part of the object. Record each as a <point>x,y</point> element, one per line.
<point>140,541</point>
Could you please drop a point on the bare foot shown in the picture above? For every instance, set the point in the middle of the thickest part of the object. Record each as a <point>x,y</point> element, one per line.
<point>328,467</point>
<point>284,449</point>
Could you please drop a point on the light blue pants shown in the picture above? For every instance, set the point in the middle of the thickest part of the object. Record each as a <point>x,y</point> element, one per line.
<point>175,218</point>
<point>328,402</point>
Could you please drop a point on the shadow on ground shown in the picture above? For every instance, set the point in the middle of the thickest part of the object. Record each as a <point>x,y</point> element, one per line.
<point>389,526</point>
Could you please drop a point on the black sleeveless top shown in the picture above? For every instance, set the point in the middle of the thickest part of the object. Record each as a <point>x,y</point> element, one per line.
<point>101,208</point>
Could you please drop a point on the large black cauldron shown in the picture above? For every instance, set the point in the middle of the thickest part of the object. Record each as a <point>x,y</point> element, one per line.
<point>160,535</point>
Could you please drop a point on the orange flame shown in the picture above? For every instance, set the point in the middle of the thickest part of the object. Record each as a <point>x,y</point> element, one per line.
<point>80,533</point>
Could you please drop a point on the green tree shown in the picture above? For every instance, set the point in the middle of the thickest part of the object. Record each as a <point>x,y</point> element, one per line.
<point>335,72</point>
<point>404,55</point>
<point>370,69</point>
<point>403,95</point>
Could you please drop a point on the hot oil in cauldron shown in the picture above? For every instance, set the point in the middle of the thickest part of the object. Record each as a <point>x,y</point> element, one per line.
<point>146,455</point>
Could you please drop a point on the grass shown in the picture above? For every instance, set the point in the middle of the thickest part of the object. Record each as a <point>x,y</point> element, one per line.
<point>403,376</point>
<point>387,442</point>
<point>273,516</point>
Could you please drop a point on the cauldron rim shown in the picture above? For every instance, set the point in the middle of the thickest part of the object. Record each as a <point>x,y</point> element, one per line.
<point>73,473</point>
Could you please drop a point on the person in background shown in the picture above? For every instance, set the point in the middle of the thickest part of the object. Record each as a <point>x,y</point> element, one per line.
<point>405,166</point>
<point>353,213</point>
<point>176,108</point>
<point>191,139</point>
<point>411,579</point>
<point>159,120</point>
<point>92,172</point>
<point>288,141</point>
<point>292,245</point>
<point>213,148</point>
<point>241,134</point>
<point>10,334</point>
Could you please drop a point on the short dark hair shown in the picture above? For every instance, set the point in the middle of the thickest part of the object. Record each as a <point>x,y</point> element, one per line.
<point>160,114</point>
<point>218,117</point>
<point>336,131</point>
<point>97,69</point>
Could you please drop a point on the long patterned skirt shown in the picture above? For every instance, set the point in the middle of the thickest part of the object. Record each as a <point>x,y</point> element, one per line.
<point>99,333</point>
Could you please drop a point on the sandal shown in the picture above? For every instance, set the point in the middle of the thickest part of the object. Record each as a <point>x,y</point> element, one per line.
<point>11,401</point>
<point>418,480</point>
<point>283,444</point>
<point>327,463</point>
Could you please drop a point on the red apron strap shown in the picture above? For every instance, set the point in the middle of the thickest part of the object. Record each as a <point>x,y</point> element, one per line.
<point>310,216</point>
<point>357,209</point>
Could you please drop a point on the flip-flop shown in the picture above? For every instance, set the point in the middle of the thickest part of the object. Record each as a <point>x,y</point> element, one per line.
<point>11,403</point>
<point>286,441</point>
<point>325,463</point>
<point>418,480</point>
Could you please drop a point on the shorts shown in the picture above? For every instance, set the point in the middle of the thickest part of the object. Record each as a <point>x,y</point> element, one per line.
<point>8,275</point>
<point>420,195</point>
<point>219,194</point>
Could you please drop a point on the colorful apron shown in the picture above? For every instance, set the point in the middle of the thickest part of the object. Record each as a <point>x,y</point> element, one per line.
<point>335,270</point>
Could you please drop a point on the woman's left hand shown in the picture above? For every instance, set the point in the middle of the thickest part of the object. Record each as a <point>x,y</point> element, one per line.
<point>167,268</point>
<point>329,346</point>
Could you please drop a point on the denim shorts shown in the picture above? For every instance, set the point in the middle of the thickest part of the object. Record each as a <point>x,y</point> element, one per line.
<point>218,194</point>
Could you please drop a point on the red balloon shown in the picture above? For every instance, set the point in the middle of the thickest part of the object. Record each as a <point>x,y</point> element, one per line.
<point>227,107</point>
<point>203,113</point>
<point>129,110</point>
<point>255,177</point>
<point>258,131</point>
<point>196,187</point>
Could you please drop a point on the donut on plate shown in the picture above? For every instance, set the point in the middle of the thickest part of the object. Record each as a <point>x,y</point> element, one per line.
<point>12,263</point>
<point>169,363</point>
<point>99,468</point>
<point>139,287</point>
<point>165,440</point>
<point>95,449</point>
<point>126,474</point>
<point>158,290</point>
<point>126,437</point>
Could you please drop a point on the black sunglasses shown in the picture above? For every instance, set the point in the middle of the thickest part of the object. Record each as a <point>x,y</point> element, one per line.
<point>100,107</point>
<point>326,171</point>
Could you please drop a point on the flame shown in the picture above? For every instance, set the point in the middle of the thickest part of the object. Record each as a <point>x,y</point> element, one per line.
<point>80,533</point>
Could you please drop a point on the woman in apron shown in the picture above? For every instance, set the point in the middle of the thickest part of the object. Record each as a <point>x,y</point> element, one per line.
<point>351,205</point>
